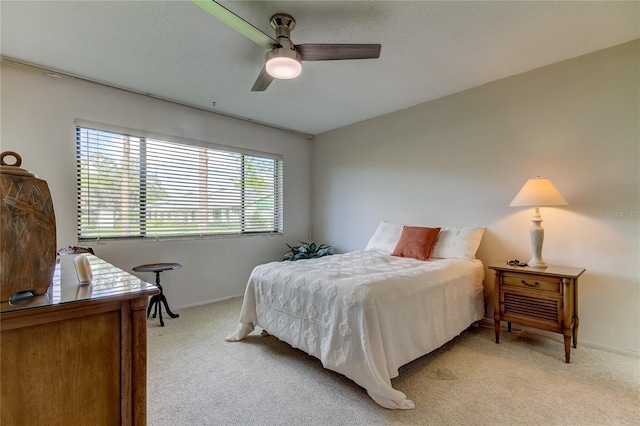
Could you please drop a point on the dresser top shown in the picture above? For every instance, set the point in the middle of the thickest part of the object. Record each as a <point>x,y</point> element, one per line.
<point>108,281</point>
<point>550,270</point>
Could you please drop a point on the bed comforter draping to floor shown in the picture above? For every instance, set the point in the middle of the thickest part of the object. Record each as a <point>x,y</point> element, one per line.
<point>364,314</point>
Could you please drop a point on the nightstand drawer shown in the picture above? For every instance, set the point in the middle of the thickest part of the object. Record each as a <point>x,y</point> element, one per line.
<point>532,282</point>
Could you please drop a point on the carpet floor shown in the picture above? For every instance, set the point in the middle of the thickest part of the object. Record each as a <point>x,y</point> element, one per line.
<point>195,377</point>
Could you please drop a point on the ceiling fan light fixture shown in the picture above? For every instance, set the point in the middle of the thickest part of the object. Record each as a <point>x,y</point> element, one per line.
<point>283,63</point>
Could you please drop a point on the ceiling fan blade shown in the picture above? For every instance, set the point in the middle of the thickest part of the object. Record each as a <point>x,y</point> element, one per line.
<point>262,82</point>
<point>237,23</point>
<point>334,52</point>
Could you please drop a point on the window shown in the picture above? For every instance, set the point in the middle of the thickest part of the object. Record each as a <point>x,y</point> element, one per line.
<point>141,187</point>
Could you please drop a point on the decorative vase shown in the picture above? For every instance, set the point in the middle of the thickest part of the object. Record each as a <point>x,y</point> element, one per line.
<point>27,231</point>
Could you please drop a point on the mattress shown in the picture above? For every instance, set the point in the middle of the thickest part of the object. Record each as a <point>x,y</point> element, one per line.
<point>364,314</point>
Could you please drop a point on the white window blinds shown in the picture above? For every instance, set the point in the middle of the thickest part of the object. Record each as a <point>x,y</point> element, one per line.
<point>139,187</point>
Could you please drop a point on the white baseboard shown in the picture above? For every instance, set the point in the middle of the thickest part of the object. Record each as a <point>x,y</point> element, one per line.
<point>206,302</point>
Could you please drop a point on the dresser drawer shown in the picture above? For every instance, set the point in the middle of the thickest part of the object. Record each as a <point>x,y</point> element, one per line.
<point>532,283</point>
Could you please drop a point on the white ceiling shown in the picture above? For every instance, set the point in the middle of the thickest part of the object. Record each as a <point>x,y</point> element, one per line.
<point>175,50</point>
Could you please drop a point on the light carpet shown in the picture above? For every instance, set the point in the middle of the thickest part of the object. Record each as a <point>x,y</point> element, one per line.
<point>195,377</point>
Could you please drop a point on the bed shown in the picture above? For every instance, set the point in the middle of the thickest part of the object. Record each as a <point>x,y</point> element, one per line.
<point>366,313</point>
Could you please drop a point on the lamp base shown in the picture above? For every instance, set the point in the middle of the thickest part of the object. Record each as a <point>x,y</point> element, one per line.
<point>537,237</point>
<point>536,263</point>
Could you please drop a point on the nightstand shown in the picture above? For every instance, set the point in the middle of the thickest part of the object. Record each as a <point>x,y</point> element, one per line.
<point>542,298</point>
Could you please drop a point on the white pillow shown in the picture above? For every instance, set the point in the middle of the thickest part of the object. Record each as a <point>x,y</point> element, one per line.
<point>459,243</point>
<point>386,237</point>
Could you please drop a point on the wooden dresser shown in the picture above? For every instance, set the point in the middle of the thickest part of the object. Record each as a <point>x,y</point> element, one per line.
<point>78,354</point>
<point>543,298</point>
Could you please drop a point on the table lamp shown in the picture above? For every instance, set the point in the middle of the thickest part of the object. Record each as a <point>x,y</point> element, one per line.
<point>538,192</point>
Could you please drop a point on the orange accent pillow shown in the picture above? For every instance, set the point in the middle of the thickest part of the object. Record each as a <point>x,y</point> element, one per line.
<point>416,242</point>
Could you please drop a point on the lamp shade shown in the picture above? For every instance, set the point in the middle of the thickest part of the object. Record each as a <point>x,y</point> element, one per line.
<point>538,192</point>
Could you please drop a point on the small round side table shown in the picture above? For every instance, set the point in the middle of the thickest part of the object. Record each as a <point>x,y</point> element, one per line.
<point>156,299</point>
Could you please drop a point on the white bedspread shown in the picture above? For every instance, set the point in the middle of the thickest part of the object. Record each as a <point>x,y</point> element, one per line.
<point>364,314</point>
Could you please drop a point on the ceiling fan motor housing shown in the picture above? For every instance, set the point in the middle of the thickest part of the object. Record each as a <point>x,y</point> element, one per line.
<point>283,24</point>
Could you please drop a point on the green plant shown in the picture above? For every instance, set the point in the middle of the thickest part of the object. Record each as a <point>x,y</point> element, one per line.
<point>307,251</point>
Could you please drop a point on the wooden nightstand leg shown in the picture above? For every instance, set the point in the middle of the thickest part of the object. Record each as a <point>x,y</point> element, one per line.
<point>496,305</point>
<point>567,319</point>
<point>575,313</point>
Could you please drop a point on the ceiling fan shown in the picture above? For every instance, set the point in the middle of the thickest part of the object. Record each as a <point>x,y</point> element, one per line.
<point>283,60</point>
